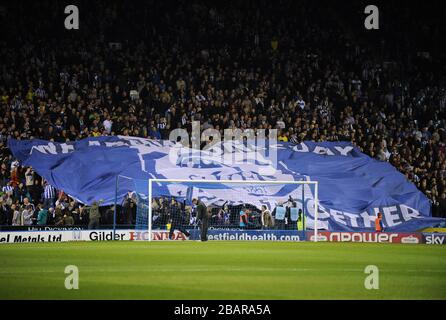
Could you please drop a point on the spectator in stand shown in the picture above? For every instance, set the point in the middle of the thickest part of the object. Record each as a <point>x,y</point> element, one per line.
<point>59,217</point>
<point>20,193</point>
<point>107,217</point>
<point>49,195</point>
<point>51,219</point>
<point>68,219</point>
<point>42,216</point>
<point>243,223</point>
<point>442,205</point>
<point>36,192</point>
<point>94,215</point>
<point>29,181</point>
<point>27,216</point>
<point>8,188</point>
<point>4,214</point>
<point>223,216</point>
<point>266,217</point>
<point>127,209</point>
<point>17,219</point>
<point>80,216</point>
<point>27,203</point>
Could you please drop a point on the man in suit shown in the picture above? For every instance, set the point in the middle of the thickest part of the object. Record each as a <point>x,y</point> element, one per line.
<point>202,215</point>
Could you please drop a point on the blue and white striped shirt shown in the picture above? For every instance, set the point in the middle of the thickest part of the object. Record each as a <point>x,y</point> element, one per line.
<point>7,189</point>
<point>49,192</point>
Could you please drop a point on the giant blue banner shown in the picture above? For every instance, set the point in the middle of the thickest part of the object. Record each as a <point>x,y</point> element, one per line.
<point>353,187</point>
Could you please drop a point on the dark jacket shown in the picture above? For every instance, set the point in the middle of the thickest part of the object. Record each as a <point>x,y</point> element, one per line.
<point>201,210</point>
<point>127,211</point>
<point>3,215</point>
<point>176,213</point>
<point>42,217</point>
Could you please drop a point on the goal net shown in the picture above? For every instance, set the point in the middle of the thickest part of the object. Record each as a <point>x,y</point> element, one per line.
<point>165,210</point>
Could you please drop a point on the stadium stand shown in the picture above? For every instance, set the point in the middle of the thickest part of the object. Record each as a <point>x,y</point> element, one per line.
<point>310,74</point>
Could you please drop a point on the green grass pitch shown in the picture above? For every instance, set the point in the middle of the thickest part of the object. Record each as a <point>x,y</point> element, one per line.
<point>221,270</point>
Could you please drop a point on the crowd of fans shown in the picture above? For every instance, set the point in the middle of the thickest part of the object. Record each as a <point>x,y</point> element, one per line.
<point>175,211</point>
<point>143,71</point>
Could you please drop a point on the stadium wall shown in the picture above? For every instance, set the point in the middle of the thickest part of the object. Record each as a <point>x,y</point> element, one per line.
<point>220,235</point>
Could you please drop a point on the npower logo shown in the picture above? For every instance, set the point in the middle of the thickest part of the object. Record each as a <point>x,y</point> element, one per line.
<point>363,237</point>
<point>379,237</point>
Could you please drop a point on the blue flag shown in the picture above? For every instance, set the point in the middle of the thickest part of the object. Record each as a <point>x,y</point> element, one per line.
<point>352,187</point>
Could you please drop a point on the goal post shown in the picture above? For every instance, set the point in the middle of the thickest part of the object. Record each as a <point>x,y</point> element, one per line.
<point>217,193</point>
